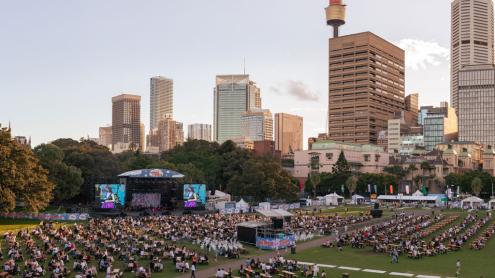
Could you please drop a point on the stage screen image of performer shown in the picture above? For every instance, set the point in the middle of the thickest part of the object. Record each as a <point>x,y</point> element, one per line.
<point>194,194</point>
<point>110,195</point>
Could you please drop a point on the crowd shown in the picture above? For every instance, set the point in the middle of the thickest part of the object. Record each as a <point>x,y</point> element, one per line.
<point>141,245</point>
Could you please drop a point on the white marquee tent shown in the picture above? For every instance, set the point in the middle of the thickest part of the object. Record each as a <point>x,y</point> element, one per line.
<point>333,199</point>
<point>472,202</point>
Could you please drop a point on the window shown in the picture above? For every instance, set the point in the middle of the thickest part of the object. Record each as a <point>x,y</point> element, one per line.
<point>367,157</point>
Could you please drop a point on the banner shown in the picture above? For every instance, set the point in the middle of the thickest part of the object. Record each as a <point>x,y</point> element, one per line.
<point>276,243</point>
<point>47,216</point>
<point>369,188</point>
<point>391,189</point>
<point>376,188</point>
<point>407,189</point>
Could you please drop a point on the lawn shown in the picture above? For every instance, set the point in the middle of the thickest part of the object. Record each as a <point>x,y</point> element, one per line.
<point>16,224</point>
<point>474,263</point>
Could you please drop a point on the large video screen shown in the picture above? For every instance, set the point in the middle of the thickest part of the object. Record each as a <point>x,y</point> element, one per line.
<point>194,194</point>
<point>110,195</point>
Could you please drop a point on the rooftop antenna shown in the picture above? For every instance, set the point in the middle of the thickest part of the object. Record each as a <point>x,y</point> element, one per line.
<point>244,65</point>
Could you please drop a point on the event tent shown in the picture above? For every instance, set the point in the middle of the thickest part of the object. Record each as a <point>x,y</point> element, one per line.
<point>430,199</point>
<point>357,199</point>
<point>333,199</point>
<point>491,204</point>
<point>242,206</point>
<point>472,202</point>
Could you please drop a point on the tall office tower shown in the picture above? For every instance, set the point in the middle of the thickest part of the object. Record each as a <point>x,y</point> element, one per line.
<point>471,38</point>
<point>105,136</point>
<point>477,104</point>
<point>143,137</point>
<point>288,133</point>
<point>412,104</point>
<point>199,132</point>
<point>257,125</point>
<point>233,95</point>
<point>161,99</point>
<point>179,133</point>
<point>126,122</point>
<point>366,87</point>
<point>440,126</point>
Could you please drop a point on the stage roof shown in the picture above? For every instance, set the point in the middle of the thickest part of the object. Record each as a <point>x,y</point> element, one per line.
<point>274,213</point>
<point>152,173</point>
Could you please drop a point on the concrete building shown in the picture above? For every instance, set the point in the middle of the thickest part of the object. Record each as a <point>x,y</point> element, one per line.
<point>126,123</point>
<point>265,148</point>
<point>199,132</point>
<point>476,97</point>
<point>423,112</point>
<point>471,38</point>
<point>321,137</point>
<point>170,134</point>
<point>288,133</point>
<point>324,154</point>
<point>23,140</point>
<point>161,99</point>
<point>244,143</point>
<point>233,95</point>
<point>412,104</point>
<point>489,160</point>
<point>257,125</point>
<point>402,124</point>
<point>440,126</point>
<point>366,87</point>
<point>105,136</point>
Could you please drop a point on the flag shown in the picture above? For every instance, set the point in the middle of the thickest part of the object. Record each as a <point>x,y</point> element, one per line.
<point>342,188</point>
<point>376,188</point>
<point>407,189</point>
<point>391,189</point>
<point>369,188</point>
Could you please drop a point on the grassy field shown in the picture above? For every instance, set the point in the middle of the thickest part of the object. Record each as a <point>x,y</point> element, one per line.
<point>16,224</point>
<point>474,263</point>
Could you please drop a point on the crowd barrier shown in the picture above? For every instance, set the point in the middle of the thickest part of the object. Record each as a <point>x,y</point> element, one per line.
<point>46,216</point>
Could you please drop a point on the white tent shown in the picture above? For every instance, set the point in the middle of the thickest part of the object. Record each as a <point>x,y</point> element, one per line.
<point>472,202</point>
<point>491,204</point>
<point>333,199</point>
<point>217,200</point>
<point>430,199</point>
<point>418,193</point>
<point>242,206</point>
<point>357,199</point>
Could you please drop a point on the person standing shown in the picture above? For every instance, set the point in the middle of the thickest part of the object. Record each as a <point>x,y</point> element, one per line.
<point>193,270</point>
<point>458,268</point>
<point>315,270</point>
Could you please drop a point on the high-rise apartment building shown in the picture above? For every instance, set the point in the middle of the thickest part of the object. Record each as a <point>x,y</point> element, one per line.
<point>288,133</point>
<point>477,104</point>
<point>105,136</point>
<point>199,132</point>
<point>170,134</point>
<point>161,99</point>
<point>233,95</point>
<point>257,125</point>
<point>440,126</point>
<point>471,38</point>
<point>412,104</point>
<point>126,122</point>
<point>366,87</point>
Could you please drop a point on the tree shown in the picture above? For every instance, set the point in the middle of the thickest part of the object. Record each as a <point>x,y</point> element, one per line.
<point>309,186</point>
<point>341,166</point>
<point>21,177</point>
<point>67,179</point>
<point>476,186</point>
<point>351,184</point>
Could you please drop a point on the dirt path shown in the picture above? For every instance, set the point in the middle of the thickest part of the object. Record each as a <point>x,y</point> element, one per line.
<point>235,264</point>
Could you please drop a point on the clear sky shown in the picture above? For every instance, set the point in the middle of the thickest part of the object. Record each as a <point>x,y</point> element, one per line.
<point>61,61</point>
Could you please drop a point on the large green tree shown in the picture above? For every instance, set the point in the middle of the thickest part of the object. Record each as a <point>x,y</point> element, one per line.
<point>67,179</point>
<point>22,178</point>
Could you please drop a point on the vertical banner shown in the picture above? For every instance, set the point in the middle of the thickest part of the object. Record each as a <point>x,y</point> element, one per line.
<point>376,189</point>
<point>391,189</point>
<point>301,185</point>
<point>369,188</point>
<point>342,188</point>
<point>407,189</point>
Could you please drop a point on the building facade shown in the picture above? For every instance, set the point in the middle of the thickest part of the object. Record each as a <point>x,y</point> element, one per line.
<point>161,99</point>
<point>471,38</point>
<point>126,122</point>
<point>233,95</point>
<point>412,104</point>
<point>199,132</point>
<point>257,125</point>
<point>476,96</point>
<point>404,123</point>
<point>170,134</point>
<point>105,136</point>
<point>440,126</point>
<point>366,87</point>
<point>324,154</point>
<point>288,133</point>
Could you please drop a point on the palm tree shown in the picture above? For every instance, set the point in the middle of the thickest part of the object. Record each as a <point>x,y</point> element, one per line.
<point>412,169</point>
<point>476,186</point>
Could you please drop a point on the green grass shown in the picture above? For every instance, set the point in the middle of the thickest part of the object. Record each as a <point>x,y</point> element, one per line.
<point>7,224</point>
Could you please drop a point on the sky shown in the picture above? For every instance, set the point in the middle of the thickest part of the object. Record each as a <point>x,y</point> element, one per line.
<point>61,61</point>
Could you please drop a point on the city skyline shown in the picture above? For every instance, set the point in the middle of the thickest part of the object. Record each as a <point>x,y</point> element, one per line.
<point>121,59</point>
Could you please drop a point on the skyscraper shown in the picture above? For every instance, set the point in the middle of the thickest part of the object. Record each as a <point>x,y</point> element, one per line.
<point>477,104</point>
<point>257,125</point>
<point>440,126</point>
<point>105,136</point>
<point>233,95</point>
<point>288,133</point>
<point>126,122</point>
<point>161,99</point>
<point>170,134</point>
<point>366,87</point>
<point>199,132</point>
<point>471,38</point>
